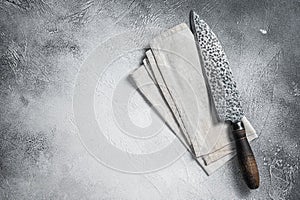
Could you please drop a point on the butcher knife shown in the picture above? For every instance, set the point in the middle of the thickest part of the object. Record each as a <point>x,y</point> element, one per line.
<point>225,96</point>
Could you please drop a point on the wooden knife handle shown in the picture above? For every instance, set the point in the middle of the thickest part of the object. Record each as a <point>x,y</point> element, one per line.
<point>245,156</point>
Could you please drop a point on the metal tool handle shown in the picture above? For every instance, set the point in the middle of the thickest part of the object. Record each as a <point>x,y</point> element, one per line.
<point>245,156</point>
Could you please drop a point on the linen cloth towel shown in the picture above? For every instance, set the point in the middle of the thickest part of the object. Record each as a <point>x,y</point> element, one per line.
<point>173,75</point>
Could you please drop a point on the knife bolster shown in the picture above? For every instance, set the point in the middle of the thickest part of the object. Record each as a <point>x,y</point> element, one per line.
<point>245,156</point>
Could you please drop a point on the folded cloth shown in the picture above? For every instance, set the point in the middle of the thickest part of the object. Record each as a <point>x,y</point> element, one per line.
<point>173,70</point>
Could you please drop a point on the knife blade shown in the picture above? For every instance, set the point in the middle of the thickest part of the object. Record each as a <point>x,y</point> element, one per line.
<point>225,95</point>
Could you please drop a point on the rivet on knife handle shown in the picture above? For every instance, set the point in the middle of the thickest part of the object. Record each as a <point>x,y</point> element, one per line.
<point>245,156</point>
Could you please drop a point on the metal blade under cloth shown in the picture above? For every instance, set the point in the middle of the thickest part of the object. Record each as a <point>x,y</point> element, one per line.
<point>222,85</point>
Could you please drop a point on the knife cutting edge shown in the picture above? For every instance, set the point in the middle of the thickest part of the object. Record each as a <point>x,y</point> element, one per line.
<point>225,95</point>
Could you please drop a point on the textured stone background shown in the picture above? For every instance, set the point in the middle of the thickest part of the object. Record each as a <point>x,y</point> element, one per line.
<point>43,45</point>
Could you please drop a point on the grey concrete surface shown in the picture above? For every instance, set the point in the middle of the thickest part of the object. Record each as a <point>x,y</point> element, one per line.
<point>45,43</point>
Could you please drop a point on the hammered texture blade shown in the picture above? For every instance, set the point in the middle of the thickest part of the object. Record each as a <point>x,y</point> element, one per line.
<point>219,75</point>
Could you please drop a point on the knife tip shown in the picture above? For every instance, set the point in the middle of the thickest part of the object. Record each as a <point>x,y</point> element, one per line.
<point>192,12</point>
<point>192,17</point>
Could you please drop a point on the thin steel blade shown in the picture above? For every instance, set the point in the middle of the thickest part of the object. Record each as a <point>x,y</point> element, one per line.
<point>219,75</point>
